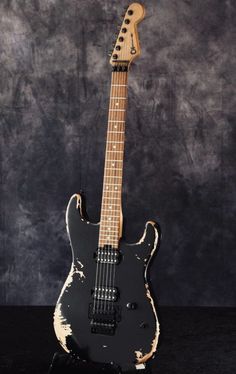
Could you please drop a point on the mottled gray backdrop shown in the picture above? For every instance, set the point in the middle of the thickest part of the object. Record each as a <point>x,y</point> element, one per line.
<point>180,149</point>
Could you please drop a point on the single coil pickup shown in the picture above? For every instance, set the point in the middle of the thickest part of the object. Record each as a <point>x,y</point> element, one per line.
<point>102,328</point>
<point>105,293</point>
<point>108,255</point>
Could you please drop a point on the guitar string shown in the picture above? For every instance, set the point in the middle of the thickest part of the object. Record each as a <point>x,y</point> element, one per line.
<point>101,286</point>
<point>119,117</point>
<point>107,234</point>
<point>100,249</point>
<point>123,81</point>
<point>111,137</point>
<point>118,136</point>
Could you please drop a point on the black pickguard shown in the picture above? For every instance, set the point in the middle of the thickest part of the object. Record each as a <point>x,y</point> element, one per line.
<point>136,333</point>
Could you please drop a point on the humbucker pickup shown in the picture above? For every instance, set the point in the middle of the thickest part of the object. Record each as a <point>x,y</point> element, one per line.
<point>105,293</point>
<point>108,255</point>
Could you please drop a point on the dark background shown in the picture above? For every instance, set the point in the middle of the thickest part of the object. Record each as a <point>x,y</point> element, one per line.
<point>179,162</point>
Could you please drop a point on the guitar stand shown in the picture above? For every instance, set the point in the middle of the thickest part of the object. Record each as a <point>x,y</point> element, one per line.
<point>63,363</point>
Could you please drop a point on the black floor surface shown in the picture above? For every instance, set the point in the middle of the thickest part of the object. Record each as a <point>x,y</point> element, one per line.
<point>193,340</point>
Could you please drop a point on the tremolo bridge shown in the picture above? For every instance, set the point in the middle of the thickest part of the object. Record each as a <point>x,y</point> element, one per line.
<point>104,318</point>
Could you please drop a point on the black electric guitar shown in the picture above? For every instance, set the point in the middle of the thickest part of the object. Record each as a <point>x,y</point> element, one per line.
<point>105,312</point>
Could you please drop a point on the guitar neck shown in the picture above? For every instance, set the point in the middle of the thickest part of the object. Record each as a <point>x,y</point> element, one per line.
<point>111,209</point>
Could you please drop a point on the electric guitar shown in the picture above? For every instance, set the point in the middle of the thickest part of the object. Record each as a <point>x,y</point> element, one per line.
<point>105,312</point>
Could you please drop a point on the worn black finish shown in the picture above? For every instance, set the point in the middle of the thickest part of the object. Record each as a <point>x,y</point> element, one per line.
<point>116,331</point>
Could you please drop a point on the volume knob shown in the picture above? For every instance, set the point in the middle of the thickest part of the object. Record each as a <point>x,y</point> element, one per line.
<point>131,306</point>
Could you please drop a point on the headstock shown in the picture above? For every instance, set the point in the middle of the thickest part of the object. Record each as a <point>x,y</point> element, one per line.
<point>127,47</point>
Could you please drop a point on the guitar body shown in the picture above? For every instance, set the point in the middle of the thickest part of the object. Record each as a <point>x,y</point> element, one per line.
<point>133,337</point>
<point>105,312</point>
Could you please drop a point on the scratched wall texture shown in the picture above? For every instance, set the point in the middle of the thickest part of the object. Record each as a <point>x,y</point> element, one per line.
<point>180,149</point>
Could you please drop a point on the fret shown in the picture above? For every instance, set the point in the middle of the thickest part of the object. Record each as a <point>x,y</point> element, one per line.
<point>113,228</point>
<point>111,215</point>
<point>119,85</point>
<point>112,239</point>
<point>118,97</point>
<point>109,223</point>
<point>110,120</point>
<point>111,205</point>
<point>111,192</point>
<point>112,163</point>
<point>110,228</point>
<point>117,110</point>
<point>111,184</point>
<point>115,132</point>
<point>113,176</point>
<point>113,198</point>
<point>108,210</point>
<point>108,239</point>
<point>109,220</point>
<point>113,169</point>
<point>111,141</point>
<point>114,160</point>
<point>115,151</point>
<point>116,129</point>
<point>108,236</point>
<point>104,236</point>
<point>110,232</point>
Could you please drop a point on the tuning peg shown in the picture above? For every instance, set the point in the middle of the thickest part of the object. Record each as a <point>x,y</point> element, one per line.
<point>110,53</point>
